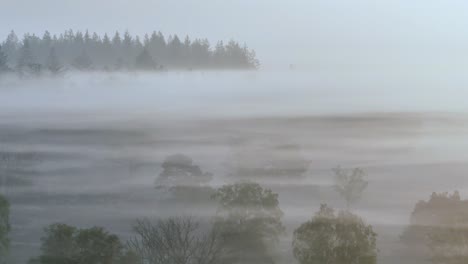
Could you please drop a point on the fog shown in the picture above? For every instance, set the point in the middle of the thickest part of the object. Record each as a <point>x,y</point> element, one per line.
<point>351,130</point>
<point>238,94</point>
<point>311,34</point>
<point>100,140</point>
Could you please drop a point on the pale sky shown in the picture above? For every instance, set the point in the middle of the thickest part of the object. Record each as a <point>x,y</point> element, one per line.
<point>302,32</point>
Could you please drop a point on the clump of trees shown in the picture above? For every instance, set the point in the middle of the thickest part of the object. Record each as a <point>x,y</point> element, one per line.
<point>342,238</point>
<point>182,178</point>
<point>87,51</point>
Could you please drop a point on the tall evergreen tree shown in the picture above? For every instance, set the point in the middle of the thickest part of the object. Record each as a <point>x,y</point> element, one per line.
<point>83,62</point>
<point>26,57</point>
<point>116,41</point>
<point>3,61</point>
<point>144,61</point>
<point>53,64</point>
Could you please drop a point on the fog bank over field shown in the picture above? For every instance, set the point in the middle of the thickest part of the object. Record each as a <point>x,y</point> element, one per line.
<point>100,141</point>
<point>236,94</point>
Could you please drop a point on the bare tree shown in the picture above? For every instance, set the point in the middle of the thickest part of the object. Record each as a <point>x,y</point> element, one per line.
<point>178,240</point>
<point>350,184</point>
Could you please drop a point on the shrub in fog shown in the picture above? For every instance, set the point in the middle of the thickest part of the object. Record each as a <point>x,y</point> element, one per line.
<point>338,238</point>
<point>249,222</point>
<point>350,184</point>
<point>178,240</point>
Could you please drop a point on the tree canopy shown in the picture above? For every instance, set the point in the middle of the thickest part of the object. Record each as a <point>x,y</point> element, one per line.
<point>64,244</point>
<point>342,238</point>
<point>249,221</point>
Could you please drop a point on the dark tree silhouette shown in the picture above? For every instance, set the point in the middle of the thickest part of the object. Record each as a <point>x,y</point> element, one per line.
<point>184,180</point>
<point>179,170</point>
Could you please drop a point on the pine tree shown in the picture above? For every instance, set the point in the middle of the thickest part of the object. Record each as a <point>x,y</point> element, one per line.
<point>26,58</point>
<point>117,41</point>
<point>144,61</point>
<point>83,62</point>
<point>3,61</point>
<point>53,64</point>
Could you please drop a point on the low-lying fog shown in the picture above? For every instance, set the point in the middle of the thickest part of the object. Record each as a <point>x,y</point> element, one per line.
<point>99,141</point>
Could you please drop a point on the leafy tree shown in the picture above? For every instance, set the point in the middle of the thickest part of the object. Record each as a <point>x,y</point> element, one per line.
<point>95,245</point>
<point>64,244</point>
<point>4,228</point>
<point>249,221</point>
<point>179,170</point>
<point>342,238</point>
<point>58,244</point>
<point>350,184</point>
<point>175,240</point>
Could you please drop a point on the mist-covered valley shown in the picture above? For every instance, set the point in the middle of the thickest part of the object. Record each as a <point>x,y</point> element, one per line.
<point>90,149</point>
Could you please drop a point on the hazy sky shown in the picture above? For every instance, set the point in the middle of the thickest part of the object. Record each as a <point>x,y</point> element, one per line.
<point>303,32</point>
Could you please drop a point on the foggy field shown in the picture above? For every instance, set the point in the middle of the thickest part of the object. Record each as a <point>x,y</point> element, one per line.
<point>99,142</point>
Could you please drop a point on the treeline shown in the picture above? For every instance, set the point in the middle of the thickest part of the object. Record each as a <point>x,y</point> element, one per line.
<point>87,51</point>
